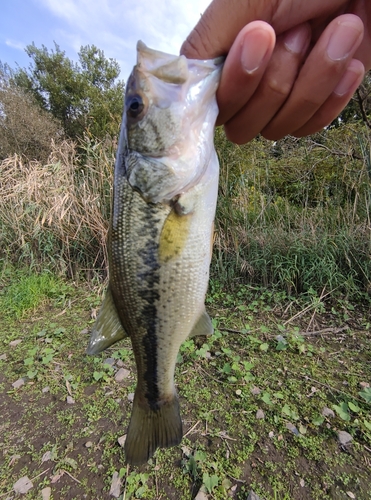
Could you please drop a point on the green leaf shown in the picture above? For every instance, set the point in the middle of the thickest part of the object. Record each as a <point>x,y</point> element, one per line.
<point>200,456</point>
<point>342,411</point>
<point>226,483</point>
<point>227,368</point>
<point>353,407</point>
<point>367,425</point>
<point>71,462</point>
<point>318,420</point>
<point>97,375</point>
<point>59,331</point>
<point>46,359</point>
<point>266,398</point>
<point>31,374</point>
<point>286,410</point>
<point>281,346</point>
<point>289,412</point>
<point>210,482</point>
<point>366,394</point>
<point>264,347</point>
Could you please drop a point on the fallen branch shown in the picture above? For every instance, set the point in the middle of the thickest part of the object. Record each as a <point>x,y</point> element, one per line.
<point>326,331</point>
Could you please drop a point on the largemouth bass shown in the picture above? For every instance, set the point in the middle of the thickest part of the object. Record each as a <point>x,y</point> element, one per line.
<point>161,231</point>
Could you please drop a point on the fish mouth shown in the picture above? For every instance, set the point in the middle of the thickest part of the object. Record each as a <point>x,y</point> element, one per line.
<point>174,69</point>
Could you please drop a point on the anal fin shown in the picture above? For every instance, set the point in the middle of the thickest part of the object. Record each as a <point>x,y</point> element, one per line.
<point>107,328</point>
<point>203,326</point>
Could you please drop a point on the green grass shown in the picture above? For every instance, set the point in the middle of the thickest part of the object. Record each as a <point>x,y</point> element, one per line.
<point>298,221</point>
<point>27,291</point>
<point>271,352</point>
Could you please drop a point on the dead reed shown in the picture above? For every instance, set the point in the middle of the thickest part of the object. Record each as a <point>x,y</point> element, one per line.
<point>57,214</point>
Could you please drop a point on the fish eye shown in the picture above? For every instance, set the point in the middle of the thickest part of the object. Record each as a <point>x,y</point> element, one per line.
<point>135,106</point>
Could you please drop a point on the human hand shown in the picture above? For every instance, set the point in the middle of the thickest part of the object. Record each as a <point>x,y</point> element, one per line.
<point>295,84</point>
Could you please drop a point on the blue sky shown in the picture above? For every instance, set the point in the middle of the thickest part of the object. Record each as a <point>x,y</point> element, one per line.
<point>112,25</point>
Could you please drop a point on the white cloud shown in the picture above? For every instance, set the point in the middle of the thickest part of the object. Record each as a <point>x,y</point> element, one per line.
<point>14,44</point>
<point>115,25</point>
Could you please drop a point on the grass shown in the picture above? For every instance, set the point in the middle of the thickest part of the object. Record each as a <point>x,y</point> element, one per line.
<point>56,216</point>
<point>28,291</point>
<point>263,400</point>
<point>270,353</point>
<point>293,215</point>
<point>298,221</point>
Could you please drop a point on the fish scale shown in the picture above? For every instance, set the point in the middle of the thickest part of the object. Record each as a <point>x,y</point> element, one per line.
<point>164,200</point>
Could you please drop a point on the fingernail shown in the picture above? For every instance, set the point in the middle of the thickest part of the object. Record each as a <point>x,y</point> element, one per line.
<point>296,39</point>
<point>253,50</point>
<point>342,41</point>
<point>346,84</point>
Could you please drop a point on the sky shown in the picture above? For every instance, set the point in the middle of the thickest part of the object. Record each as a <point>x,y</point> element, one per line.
<point>114,26</point>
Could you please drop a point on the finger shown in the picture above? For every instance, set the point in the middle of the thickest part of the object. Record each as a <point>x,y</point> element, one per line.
<point>220,24</point>
<point>337,101</point>
<point>244,68</point>
<point>321,73</point>
<point>274,87</point>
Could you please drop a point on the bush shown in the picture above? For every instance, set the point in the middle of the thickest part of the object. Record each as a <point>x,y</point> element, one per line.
<point>25,129</point>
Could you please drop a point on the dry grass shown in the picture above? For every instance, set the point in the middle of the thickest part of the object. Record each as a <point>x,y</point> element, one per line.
<point>57,214</point>
<point>295,216</point>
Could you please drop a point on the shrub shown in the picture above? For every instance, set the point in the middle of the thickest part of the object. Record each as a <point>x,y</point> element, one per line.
<point>25,129</point>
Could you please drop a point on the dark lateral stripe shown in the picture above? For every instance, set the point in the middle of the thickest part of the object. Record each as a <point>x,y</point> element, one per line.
<point>149,278</point>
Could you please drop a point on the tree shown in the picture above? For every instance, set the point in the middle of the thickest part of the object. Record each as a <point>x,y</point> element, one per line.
<point>359,107</point>
<point>86,96</point>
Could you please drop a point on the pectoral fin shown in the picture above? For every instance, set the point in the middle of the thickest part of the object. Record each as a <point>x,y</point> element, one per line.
<point>107,328</point>
<point>203,326</point>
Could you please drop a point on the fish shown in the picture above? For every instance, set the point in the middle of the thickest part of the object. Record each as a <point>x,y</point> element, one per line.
<point>160,235</point>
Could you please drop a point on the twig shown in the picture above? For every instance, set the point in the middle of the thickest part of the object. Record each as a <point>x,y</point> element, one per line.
<point>41,473</point>
<point>60,314</point>
<point>308,308</point>
<point>230,330</point>
<point>325,331</point>
<point>71,476</point>
<point>235,479</point>
<point>314,312</point>
<point>210,376</point>
<point>191,429</point>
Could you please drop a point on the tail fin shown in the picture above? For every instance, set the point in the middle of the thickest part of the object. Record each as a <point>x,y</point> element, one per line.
<point>151,429</point>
